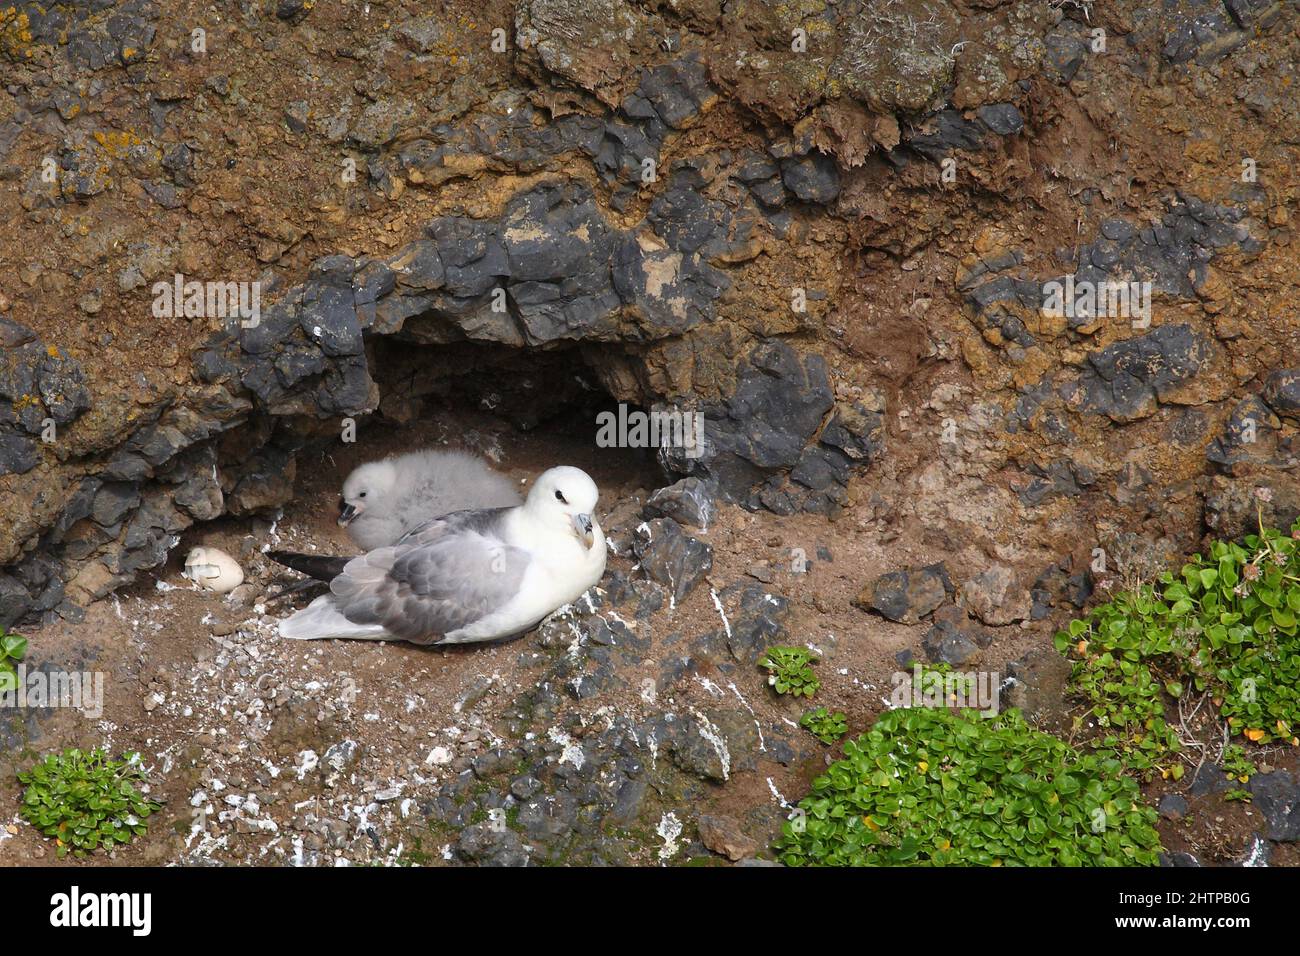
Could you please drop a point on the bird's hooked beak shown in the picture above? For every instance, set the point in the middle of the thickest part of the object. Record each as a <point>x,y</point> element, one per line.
<point>582,527</point>
<point>346,513</point>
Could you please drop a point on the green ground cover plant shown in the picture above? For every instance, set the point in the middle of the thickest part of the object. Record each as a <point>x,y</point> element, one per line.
<point>86,800</point>
<point>1225,624</point>
<point>827,727</point>
<point>13,648</point>
<point>790,670</point>
<point>929,787</point>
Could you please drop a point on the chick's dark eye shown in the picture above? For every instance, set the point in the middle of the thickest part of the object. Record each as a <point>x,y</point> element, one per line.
<point>560,497</point>
<point>362,495</point>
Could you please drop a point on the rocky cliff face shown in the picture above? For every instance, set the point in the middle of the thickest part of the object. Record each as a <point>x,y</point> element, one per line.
<point>830,228</point>
<point>826,226</point>
<point>741,211</point>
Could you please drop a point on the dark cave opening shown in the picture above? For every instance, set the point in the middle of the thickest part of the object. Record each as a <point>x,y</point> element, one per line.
<point>522,409</point>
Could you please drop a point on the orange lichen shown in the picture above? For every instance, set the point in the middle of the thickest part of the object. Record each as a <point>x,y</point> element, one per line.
<point>115,143</point>
<point>15,32</point>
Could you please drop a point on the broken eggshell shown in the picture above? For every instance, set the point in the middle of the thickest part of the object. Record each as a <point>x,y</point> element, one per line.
<point>213,569</point>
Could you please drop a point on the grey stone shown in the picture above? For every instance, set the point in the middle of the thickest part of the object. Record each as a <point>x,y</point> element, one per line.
<point>1173,806</point>
<point>756,168</point>
<point>676,90</point>
<point>691,502</point>
<point>548,817</point>
<point>179,163</point>
<point>814,178</point>
<point>1002,118</point>
<point>907,595</point>
<point>1233,509</point>
<point>1277,797</point>
<point>421,34</point>
<point>485,845</point>
<point>328,317</point>
<point>293,11</point>
<point>996,596</point>
<point>201,496</point>
<point>14,334</point>
<point>770,192</point>
<point>671,557</point>
<point>1209,779</point>
<point>1245,436</point>
<point>524,787</point>
<point>18,453</point>
<point>1126,380</point>
<point>125,466</point>
<point>954,638</point>
<point>763,428</point>
<point>757,624</point>
<point>948,130</point>
<point>113,501</point>
<point>493,762</point>
<point>1282,392</point>
<point>710,745</point>
<point>296,114</point>
<point>722,834</point>
<point>15,602</point>
<point>380,122</point>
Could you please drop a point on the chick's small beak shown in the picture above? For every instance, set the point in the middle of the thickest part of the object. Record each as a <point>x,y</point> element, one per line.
<point>582,525</point>
<point>346,513</point>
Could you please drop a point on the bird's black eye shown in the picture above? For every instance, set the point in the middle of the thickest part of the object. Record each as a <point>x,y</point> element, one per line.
<point>560,497</point>
<point>362,495</point>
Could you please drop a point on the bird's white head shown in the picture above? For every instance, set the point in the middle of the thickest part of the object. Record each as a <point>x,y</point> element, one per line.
<point>368,484</point>
<point>565,496</point>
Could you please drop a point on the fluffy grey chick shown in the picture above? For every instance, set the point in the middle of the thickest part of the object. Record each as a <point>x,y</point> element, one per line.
<point>382,500</point>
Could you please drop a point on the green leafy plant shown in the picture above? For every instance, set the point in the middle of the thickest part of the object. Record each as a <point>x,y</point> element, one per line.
<point>13,648</point>
<point>929,787</point>
<point>825,726</point>
<point>938,667</point>
<point>1236,763</point>
<point>1124,665</point>
<point>790,670</point>
<point>1226,624</point>
<point>86,800</point>
<point>943,675</point>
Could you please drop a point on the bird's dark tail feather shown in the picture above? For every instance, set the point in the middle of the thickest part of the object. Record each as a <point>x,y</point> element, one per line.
<point>319,566</point>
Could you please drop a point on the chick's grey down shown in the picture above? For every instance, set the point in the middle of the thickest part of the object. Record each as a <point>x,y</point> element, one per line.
<point>383,500</point>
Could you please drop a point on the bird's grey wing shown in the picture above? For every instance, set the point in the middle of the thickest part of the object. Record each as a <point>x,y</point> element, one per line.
<point>421,590</point>
<point>484,520</point>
